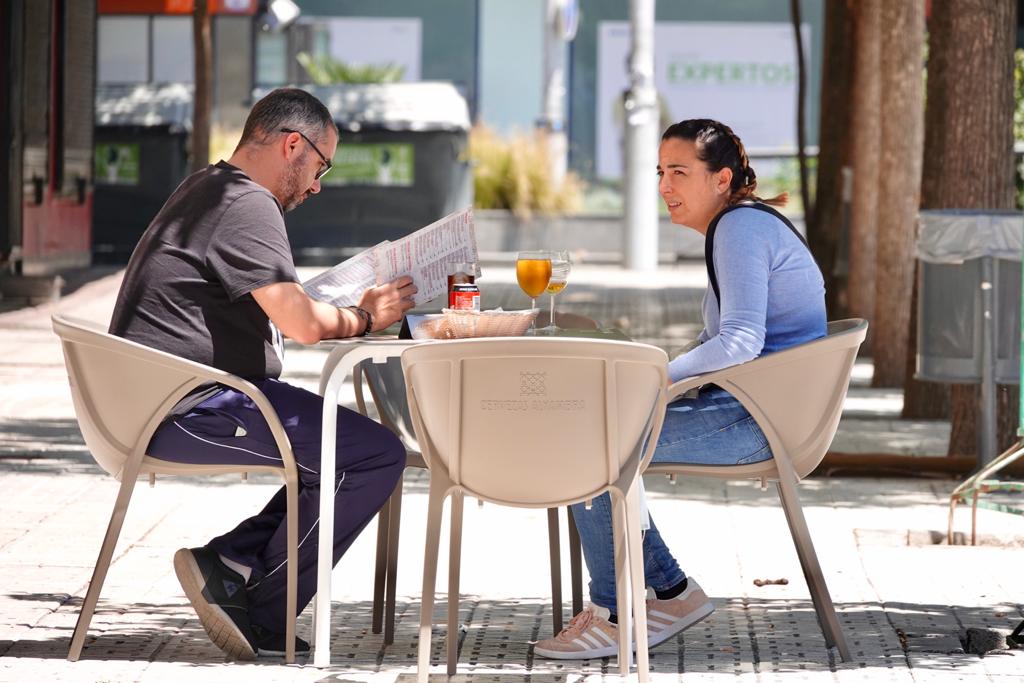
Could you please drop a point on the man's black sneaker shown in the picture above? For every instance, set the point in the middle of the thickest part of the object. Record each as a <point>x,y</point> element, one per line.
<point>217,594</point>
<point>270,644</point>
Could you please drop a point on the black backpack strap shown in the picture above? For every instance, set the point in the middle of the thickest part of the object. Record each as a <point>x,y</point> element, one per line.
<point>1017,637</point>
<point>709,239</point>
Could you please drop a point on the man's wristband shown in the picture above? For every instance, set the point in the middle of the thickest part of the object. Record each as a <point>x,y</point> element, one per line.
<point>365,316</point>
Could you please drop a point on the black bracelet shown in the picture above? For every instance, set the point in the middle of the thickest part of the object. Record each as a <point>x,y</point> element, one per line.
<point>365,316</point>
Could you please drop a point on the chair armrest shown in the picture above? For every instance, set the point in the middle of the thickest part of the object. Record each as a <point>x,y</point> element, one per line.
<point>179,377</point>
<point>677,389</point>
<point>284,446</point>
<point>203,374</point>
<point>795,395</point>
<point>731,379</point>
<point>848,333</point>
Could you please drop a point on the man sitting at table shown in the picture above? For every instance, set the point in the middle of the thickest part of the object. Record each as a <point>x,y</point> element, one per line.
<point>212,280</point>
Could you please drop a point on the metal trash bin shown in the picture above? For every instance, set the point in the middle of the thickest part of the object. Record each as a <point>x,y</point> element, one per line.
<point>141,142</point>
<point>400,165</point>
<point>969,304</point>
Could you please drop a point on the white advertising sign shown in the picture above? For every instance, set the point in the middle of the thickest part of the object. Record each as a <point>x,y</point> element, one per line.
<point>362,41</point>
<point>743,74</point>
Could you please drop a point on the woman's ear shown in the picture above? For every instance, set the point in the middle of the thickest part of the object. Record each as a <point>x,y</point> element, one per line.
<point>723,181</point>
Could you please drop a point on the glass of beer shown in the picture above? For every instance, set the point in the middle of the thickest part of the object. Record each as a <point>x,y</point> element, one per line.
<point>533,271</point>
<point>561,264</point>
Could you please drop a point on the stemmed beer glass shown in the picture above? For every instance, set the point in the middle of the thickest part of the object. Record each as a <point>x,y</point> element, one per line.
<point>533,271</point>
<point>561,264</point>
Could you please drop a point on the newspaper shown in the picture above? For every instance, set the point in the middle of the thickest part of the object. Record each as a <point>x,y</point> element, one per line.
<point>422,255</point>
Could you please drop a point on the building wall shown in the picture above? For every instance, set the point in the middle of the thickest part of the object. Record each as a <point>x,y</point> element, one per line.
<point>511,64</point>
<point>492,50</point>
<point>449,34</point>
<point>232,64</point>
<point>12,82</point>
<point>158,49</point>
<point>47,121</point>
<point>505,92</point>
<point>583,71</point>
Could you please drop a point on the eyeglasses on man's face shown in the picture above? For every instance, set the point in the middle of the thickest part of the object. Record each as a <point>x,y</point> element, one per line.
<point>327,163</point>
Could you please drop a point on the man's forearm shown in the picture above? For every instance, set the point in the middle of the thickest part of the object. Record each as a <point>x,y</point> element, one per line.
<point>307,321</point>
<point>303,319</point>
<point>335,323</point>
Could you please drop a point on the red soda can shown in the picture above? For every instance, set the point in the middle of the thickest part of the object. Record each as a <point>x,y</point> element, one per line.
<point>464,296</point>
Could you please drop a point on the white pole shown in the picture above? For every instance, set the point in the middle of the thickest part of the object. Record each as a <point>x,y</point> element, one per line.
<point>987,424</point>
<point>552,120</point>
<point>641,206</point>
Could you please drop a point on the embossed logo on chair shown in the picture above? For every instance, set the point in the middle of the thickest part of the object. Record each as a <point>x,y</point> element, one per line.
<point>532,384</point>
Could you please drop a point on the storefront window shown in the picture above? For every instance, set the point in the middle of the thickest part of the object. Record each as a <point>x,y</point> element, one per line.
<point>172,50</point>
<point>123,49</point>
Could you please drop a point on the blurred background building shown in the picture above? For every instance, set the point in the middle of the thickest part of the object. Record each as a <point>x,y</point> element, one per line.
<point>98,122</point>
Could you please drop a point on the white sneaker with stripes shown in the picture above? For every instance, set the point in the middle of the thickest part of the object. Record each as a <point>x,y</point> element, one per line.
<point>588,636</point>
<point>666,618</point>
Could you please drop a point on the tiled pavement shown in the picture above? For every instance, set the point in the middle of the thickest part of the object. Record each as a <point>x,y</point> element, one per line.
<point>900,599</point>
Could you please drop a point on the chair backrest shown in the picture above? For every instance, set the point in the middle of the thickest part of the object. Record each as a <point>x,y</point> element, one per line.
<point>387,386</point>
<point>536,421</point>
<point>122,390</point>
<point>797,395</point>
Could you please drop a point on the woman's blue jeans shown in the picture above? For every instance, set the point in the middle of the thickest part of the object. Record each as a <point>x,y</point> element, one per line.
<point>710,429</point>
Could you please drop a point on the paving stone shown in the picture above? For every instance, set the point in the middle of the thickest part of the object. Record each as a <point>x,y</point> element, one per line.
<point>939,643</point>
<point>889,595</point>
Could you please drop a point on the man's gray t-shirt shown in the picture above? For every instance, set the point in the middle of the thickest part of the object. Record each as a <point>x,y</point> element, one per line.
<point>187,287</point>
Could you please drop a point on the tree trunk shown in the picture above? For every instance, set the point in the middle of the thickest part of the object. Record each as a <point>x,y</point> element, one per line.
<point>969,148</point>
<point>865,127</point>
<point>202,100</point>
<point>801,108</point>
<point>965,399</point>
<point>825,223</point>
<point>899,186</point>
<point>1007,414</point>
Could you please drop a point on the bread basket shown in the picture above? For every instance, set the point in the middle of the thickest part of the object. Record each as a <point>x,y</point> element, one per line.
<point>465,324</point>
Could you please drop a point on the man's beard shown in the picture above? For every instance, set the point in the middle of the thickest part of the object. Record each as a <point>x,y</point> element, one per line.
<point>294,194</point>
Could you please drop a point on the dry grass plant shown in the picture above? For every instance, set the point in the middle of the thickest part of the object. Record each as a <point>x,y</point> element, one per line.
<point>515,174</point>
<point>326,70</point>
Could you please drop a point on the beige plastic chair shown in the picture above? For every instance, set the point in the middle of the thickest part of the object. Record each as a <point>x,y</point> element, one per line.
<point>796,396</point>
<point>386,386</point>
<point>122,391</point>
<point>536,422</point>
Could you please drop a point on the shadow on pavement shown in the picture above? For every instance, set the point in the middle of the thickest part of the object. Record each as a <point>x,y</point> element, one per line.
<point>43,446</point>
<point>849,492</point>
<point>53,446</point>
<point>743,635</point>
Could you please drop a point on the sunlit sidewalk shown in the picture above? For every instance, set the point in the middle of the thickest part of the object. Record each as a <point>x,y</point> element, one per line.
<point>902,600</point>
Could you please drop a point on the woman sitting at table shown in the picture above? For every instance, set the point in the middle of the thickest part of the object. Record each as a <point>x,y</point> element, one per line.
<point>769,296</point>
